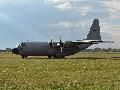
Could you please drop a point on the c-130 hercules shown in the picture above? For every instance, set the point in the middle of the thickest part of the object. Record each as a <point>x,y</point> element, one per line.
<point>60,49</point>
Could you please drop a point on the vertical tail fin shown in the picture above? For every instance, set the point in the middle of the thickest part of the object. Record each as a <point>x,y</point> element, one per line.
<point>94,33</point>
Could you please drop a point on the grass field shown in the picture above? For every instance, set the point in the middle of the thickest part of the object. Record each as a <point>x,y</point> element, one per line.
<point>84,71</point>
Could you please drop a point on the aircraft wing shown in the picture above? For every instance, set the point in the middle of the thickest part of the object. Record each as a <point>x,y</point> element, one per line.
<point>79,42</point>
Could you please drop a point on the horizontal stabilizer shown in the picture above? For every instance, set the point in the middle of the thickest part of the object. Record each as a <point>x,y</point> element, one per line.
<point>79,42</point>
<point>107,42</point>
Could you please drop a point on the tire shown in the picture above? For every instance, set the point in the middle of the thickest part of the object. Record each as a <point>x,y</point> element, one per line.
<point>23,56</point>
<point>59,57</point>
<point>49,56</point>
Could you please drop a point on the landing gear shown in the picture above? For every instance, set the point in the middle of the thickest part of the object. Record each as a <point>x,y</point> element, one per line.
<point>58,57</point>
<point>54,56</point>
<point>49,56</point>
<point>23,56</point>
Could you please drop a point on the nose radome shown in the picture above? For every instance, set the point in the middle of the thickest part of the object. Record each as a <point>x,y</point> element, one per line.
<point>15,50</point>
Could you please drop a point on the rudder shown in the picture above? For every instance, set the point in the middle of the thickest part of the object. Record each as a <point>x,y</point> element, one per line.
<point>94,33</point>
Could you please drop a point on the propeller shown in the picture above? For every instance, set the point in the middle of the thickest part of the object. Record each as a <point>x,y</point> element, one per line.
<point>51,42</point>
<point>61,45</point>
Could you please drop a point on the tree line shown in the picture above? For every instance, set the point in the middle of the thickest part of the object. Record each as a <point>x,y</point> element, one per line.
<point>102,50</point>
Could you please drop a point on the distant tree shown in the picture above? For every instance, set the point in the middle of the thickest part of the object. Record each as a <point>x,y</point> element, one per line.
<point>102,50</point>
<point>0,50</point>
<point>97,49</point>
<point>8,50</point>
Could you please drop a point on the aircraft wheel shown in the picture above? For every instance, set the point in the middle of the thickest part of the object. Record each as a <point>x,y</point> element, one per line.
<point>58,56</point>
<point>23,56</point>
<point>62,57</point>
<point>54,56</point>
<point>49,56</point>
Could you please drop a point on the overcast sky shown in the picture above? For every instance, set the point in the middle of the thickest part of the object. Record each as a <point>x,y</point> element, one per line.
<point>37,20</point>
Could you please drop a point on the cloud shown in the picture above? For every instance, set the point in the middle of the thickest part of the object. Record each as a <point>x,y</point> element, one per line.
<point>38,19</point>
<point>64,6</point>
<point>83,7</point>
<point>114,30</point>
<point>84,10</point>
<point>57,1</point>
<point>111,32</point>
<point>113,7</point>
<point>64,24</point>
<point>19,2</point>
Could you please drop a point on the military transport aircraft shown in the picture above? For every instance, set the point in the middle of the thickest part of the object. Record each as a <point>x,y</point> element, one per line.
<point>60,49</point>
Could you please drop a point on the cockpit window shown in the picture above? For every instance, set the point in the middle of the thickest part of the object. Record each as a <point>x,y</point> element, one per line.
<point>23,44</point>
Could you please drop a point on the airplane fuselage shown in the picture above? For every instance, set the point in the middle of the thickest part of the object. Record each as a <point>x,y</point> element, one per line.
<point>43,49</point>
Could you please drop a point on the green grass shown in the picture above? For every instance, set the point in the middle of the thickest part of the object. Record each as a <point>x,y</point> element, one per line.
<point>84,71</point>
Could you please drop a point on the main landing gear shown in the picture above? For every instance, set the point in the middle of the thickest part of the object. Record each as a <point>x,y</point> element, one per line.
<point>24,57</point>
<point>54,56</point>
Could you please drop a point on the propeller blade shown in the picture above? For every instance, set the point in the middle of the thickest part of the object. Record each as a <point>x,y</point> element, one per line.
<point>51,39</point>
<point>61,49</point>
<point>60,39</point>
<point>51,43</point>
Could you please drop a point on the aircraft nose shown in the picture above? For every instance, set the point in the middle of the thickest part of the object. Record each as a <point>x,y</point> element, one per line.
<point>15,50</point>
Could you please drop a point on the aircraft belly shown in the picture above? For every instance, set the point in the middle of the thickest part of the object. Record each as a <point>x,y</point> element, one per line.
<point>65,52</point>
<point>84,46</point>
<point>72,51</point>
